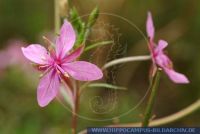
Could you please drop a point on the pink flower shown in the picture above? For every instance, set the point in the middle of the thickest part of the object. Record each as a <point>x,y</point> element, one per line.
<point>59,63</point>
<point>159,58</point>
<point>13,51</point>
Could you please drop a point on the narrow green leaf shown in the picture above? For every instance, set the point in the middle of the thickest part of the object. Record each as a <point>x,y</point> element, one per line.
<point>93,17</point>
<point>81,36</point>
<point>76,20</point>
<point>79,26</point>
<point>105,85</point>
<point>98,44</point>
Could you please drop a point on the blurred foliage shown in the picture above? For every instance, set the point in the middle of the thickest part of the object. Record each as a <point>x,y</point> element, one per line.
<point>176,21</point>
<point>24,19</point>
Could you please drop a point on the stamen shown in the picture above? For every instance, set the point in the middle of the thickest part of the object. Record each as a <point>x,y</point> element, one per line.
<point>41,67</point>
<point>58,71</point>
<point>50,44</point>
<point>47,40</point>
<point>66,75</point>
<point>41,75</point>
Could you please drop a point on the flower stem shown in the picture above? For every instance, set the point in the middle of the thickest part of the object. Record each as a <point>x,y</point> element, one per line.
<point>154,88</point>
<point>56,16</point>
<point>76,107</point>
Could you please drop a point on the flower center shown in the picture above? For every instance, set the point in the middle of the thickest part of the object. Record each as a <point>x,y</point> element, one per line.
<point>58,62</point>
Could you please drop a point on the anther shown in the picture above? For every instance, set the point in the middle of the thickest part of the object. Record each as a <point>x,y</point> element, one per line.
<point>66,75</point>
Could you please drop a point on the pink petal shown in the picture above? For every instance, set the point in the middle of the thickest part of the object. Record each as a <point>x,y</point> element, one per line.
<point>36,53</point>
<point>71,57</point>
<point>83,71</point>
<point>48,88</point>
<point>176,77</point>
<point>66,40</point>
<point>162,44</point>
<point>150,26</point>
<point>160,58</point>
<point>163,61</point>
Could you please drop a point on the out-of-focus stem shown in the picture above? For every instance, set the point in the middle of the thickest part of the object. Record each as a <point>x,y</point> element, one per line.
<point>56,16</point>
<point>154,88</point>
<point>76,107</point>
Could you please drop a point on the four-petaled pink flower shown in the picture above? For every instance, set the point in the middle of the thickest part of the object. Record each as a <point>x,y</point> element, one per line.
<point>158,56</point>
<point>59,63</point>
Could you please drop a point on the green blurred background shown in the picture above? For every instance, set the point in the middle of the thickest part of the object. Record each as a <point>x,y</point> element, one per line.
<point>176,21</point>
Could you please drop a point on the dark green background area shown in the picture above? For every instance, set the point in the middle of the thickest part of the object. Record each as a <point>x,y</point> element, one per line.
<point>176,21</point>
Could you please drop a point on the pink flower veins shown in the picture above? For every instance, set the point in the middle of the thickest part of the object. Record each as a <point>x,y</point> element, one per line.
<point>159,58</point>
<point>59,63</point>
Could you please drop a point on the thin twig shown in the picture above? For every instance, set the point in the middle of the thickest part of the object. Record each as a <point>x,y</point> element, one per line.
<point>126,59</point>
